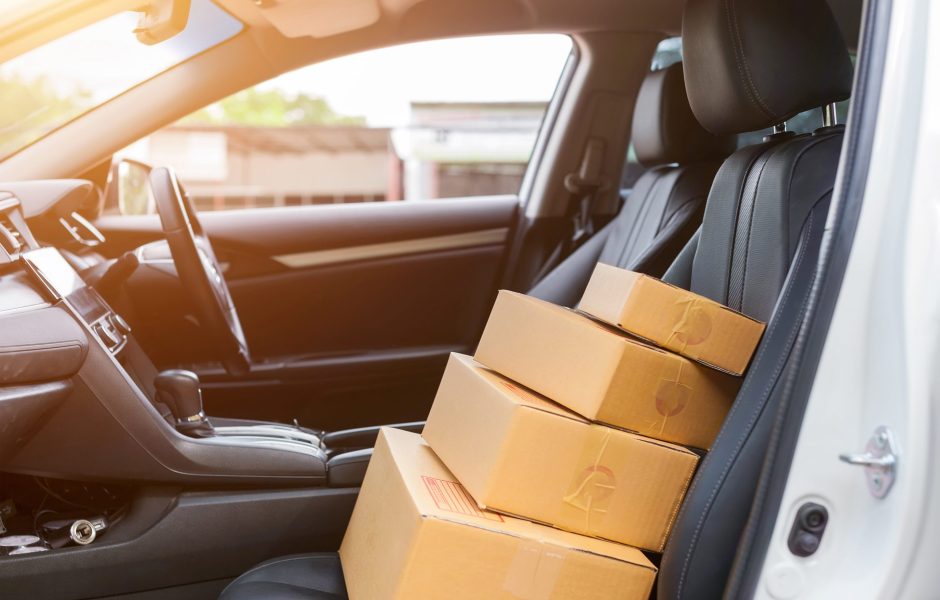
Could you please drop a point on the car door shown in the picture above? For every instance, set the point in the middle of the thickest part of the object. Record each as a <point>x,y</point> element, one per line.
<point>358,257</point>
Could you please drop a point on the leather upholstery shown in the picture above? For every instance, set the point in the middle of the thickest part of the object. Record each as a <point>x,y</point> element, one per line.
<point>665,206</point>
<point>296,577</point>
<point>762,230</point>
<point>763,194</point>
<point>664,128</point>
<point>662,212</point>
<point>751,65</point>
<point>758,245</point>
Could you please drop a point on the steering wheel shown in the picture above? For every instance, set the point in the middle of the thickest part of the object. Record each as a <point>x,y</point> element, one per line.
<point>199,270</point>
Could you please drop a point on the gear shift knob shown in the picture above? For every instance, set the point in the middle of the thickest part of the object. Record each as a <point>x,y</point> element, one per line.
<point>179,390</point>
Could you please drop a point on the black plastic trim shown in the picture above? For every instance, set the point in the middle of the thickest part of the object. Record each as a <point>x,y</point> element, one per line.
<point>172,540</point>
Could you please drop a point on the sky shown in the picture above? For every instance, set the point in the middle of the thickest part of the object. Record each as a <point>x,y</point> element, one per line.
<point>379,85</point>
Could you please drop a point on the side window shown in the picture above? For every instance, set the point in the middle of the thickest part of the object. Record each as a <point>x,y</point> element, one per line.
<point>430,120</point>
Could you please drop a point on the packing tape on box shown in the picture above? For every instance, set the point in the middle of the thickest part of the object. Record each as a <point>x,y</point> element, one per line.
<point>592,488</point>
<point>534,570</point>
<point>693,327</point>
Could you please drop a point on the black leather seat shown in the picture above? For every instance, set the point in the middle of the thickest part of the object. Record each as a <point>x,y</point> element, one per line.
<point>749,65</point>
<point>295,577</point>
<point>666,204</point>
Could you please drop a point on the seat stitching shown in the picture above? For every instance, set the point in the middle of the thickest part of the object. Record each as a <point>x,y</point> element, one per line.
<point>747,234</point>
<point>672,216</point>
<point>746,433</point>
<point>761,157</point>
<point>815,142</point>
<point>744,73</point>
<point>680,174</point>
<point>648,199</point>
<point>622,225</point>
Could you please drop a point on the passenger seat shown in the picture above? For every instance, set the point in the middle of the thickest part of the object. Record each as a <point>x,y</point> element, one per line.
<point>666,204</point>
<point>751,65</point>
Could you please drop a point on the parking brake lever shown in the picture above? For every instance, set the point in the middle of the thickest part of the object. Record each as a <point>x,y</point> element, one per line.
<point>179,390</point>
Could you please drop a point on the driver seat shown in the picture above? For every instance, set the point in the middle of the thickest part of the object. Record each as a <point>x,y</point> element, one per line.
<point>748,66</point>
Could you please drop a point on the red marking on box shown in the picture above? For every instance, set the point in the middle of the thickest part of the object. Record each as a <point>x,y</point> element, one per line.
<point>452,497</point>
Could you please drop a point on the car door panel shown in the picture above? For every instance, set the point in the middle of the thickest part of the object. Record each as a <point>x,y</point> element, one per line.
<point>350,310</point>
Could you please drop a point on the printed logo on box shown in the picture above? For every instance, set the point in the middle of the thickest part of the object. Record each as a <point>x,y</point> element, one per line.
<point>596,484</point>
<point>672,397</point>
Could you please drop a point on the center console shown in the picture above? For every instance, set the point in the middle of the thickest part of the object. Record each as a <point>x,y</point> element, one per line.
<point>158,419</point>
<point>114,412</point>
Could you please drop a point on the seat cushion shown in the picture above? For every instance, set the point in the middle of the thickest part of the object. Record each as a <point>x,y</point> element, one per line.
<point>295,577</point>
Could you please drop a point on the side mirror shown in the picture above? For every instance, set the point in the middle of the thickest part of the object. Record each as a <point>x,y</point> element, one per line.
<point>129,188</point>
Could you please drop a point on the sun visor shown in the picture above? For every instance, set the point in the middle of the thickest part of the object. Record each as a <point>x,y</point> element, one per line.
<point>320,18</point>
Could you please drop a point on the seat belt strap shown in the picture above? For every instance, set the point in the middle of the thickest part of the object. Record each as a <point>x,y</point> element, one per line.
<point>584,186</point>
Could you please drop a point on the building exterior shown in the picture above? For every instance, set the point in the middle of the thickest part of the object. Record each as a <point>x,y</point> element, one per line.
<point>446,150</point>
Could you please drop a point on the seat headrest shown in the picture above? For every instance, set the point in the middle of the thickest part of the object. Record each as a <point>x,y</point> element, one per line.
<point>750,65</point>
<point>664,128</point>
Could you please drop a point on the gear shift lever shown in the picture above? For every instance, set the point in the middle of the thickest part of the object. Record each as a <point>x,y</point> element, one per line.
<point>179,390</point>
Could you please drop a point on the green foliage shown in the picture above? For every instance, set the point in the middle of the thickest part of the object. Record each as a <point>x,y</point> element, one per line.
<point>30,108</point>
<point>270,108</point>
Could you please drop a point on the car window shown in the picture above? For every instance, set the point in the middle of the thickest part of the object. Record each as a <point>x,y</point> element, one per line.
<point>59,81</point>
<point>430,120</point>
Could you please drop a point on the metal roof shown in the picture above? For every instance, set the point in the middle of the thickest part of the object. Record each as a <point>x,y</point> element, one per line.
<point>298,139</point>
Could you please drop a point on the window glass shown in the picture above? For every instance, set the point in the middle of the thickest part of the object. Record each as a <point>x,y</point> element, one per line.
<point>66,77</point>
<point>440,119</point>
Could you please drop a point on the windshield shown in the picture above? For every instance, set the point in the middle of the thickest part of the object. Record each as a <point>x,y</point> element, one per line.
<point>50,85</point>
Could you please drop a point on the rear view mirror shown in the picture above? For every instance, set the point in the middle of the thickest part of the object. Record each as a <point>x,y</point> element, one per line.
<point>161,20</point>
<point>129,188</point>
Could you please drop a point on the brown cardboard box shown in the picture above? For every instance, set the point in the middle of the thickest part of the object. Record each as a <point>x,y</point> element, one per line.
<point>604,375</point>
<point>416,533</point>
<point>672,318</point>
<point>518,453</point>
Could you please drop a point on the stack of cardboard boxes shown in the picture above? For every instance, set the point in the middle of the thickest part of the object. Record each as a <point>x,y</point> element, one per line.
<point>557,453</point>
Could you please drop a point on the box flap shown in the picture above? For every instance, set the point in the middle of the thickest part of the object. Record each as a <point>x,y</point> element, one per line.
<point>515,392</point>
<point>437,494</point>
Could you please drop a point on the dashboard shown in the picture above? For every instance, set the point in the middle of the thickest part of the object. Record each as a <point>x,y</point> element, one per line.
<point>77,399</point>
<point>62,282</point>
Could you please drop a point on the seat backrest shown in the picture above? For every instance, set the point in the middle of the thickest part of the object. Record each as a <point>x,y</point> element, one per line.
<point>751,65</point>
<point>665,206</point>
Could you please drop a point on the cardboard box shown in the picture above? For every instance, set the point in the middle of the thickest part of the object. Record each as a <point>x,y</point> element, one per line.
<point>604,375</point>
<point>416,533</point>
<point>518,453</point>
<point>672,318</point>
